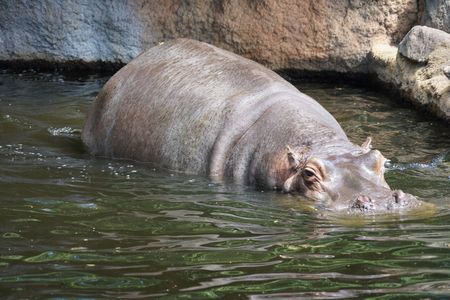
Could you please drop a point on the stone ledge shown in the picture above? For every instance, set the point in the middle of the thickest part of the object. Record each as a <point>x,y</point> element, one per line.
<point>424,84</point>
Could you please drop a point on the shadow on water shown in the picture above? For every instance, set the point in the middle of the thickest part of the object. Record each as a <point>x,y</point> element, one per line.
<point>74,226</point>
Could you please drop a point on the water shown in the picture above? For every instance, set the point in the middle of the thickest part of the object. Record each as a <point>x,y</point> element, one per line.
<point>77,227</point>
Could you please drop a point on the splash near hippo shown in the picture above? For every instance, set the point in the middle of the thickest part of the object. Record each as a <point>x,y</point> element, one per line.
<point>192,107</point>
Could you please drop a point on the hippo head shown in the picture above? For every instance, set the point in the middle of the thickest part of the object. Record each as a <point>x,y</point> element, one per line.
<point>352,181</point>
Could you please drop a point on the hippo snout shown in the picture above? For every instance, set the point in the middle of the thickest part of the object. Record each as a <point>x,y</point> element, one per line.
<point>392,200</point>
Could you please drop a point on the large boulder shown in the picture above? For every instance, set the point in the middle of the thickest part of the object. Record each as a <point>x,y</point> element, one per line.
<point>331,35</point>
<point>421,41</point>
<point>436,14</point>
<point>425,84</point>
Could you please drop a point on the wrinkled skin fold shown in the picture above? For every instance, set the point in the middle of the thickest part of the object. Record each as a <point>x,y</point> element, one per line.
<point>192,107</point>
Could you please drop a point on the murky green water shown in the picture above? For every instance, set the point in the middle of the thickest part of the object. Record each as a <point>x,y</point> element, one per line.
<point>76,227</point>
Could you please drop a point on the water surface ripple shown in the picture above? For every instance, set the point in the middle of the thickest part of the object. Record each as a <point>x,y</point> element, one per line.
<point>78,227</point>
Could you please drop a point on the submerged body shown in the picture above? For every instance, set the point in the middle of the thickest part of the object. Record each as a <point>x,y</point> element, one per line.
<point>192,107</point>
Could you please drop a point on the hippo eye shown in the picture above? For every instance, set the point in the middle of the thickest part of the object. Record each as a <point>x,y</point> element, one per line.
<point>309,172</point>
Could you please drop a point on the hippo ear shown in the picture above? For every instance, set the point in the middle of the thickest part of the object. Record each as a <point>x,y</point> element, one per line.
<point>293,157</point>
<point>367,145</point>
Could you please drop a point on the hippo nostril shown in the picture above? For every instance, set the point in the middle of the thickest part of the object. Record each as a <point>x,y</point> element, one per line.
<point>364,199</point>
<point>398,195</point>
<point>363,202</point>
<point>396,200</point>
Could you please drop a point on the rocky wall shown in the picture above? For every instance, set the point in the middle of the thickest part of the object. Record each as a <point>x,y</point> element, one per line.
<point>436,14</point>
<point>351,36</point>
<point>320,35</point>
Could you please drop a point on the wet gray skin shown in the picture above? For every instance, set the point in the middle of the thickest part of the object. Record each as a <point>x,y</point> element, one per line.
<point>351,181</point>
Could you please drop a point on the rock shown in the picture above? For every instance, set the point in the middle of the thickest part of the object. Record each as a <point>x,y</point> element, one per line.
<point>437,14</point>
<point>61,31</point>
<point>421,41</point>
<point>320,35</point>
<point>426,85</point>
<point>446,70</point>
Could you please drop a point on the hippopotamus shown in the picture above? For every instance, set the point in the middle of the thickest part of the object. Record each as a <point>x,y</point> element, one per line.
<point>192,107</point>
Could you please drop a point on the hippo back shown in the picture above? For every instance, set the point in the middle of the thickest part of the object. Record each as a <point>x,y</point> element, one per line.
<point>185,104</point>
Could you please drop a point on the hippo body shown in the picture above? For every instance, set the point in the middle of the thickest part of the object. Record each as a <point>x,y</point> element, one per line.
<point>192,107</point>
